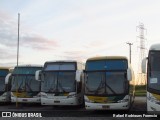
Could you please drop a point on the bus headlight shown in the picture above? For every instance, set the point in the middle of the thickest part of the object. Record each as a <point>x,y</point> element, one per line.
<point>4,95</point>
<point>72,94</point>
<point>125,99</point>
<point>43,95</point>
<point>153,99</point>
<point>37,96</point>
<point>122,101</point>
<point>12,95</point>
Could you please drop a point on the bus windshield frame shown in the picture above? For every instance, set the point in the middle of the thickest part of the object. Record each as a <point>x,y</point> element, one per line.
<point>105,84</point>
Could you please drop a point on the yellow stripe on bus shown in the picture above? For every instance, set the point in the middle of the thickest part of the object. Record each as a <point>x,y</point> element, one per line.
<point>156,96</point>
<point>21,95</point>
<point>99,99</point>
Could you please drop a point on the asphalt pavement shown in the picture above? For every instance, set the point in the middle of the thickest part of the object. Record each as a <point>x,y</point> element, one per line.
<point>138,108</point>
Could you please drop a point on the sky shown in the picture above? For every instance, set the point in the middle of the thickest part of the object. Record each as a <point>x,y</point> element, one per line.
<point>75,29</point>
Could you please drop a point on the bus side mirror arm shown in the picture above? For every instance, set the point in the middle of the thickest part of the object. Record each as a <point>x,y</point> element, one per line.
<point>143,65</point>
<point>37,75</point>
<point>7,78</point>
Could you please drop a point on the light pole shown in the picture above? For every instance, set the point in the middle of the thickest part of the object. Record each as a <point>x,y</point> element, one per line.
<point>18,39</point>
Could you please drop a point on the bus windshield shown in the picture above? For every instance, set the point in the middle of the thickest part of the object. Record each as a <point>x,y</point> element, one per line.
<point>3,73</point>
<point>58,82</point>
<point>103,79</point>
<point>109,83</point>
<point>154,70</point>
<point>23,79</point>
<point>24,83</point>
<point>2,83</point>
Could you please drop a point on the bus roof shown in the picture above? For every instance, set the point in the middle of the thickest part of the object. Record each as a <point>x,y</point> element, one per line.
<point>107,58</point>
<point>56,61</point>
<point>4,68</point>
<point>155,47</point>
<point>29,65</point>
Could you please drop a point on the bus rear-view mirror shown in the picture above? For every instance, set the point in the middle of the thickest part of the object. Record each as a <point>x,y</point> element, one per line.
<point>37,75</point>
<point>7,78</point>
<point>143,65</point>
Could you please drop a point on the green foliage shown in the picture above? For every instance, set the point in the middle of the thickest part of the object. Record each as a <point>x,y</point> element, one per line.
<point>140,90</point>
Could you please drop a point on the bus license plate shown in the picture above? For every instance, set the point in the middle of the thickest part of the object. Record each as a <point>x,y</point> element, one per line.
<point>56,101</point>
<point>24,99</point>
<point>105,107</point>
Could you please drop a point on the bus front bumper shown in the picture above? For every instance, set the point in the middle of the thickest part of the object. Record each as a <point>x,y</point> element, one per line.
<point>4,99</point>
<point>153,107</point>
<point>26,100</point>
<point>60,101</point>
<point>108,106</point>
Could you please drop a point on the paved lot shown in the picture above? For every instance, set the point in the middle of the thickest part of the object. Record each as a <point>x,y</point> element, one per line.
<point>71,113</point>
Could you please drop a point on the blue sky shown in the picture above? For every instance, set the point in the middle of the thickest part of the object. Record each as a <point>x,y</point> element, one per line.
<point>72,29</point>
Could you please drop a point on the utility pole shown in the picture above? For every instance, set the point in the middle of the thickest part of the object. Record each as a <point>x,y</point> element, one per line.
<point>129,50</point>
<point>17,60</point>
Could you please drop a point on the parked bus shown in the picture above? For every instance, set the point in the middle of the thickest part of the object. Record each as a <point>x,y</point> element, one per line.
<point>153,77</point>
<point>61,83</point>
<point>109,83</point>
<point>5,85</point>
<point>25,89</point>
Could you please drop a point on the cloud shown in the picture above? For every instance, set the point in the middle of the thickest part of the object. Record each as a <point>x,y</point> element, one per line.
<point>7,54</point>
<point>38,42</point>
<point>79,55</point>
<point>8,36</point>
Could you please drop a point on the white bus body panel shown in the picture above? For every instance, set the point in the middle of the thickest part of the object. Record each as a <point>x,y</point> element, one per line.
<point>36,99</point>
<point>109,106</point>
<point>5,97</point>
<point>152,106</point>
<point>26,100</point>
<point>50,99</point>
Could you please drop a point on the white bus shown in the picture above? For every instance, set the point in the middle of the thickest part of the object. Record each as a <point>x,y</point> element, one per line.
<point>61,83</point>
<point>25,89</point>
<point>5,85</point>
<point>153,78</point>
<point>109,83</point>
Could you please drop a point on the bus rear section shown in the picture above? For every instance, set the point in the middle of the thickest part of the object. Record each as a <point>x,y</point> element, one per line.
<point>5,86</point>
<point>61,83</point>
<point>108,83</point>
<point>25,89</point>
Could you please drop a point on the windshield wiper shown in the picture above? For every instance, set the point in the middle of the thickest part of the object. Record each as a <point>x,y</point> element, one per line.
<point>111,89</point>
<point>61,87</point>
<point>20,88</point>
<point>30,90</point>
<point>51,90</point>
<point>100,86</point>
